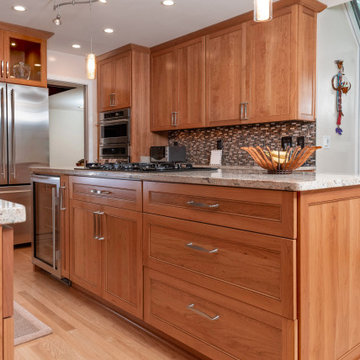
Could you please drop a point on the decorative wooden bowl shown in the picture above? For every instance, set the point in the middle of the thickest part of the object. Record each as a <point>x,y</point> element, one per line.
<point>280,162</point>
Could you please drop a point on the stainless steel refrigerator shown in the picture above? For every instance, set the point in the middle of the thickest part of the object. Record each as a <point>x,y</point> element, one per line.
<point>24,142</point>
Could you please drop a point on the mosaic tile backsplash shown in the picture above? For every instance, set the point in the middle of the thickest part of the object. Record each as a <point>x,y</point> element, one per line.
<point>200,142</point>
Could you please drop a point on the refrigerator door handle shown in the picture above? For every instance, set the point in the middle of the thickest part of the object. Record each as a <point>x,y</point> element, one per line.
<point>13,145</point>
<point>2,135</point>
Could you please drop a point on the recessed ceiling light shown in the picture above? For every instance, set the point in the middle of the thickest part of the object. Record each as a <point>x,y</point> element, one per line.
<point>103,1</point>
<point>76,46</point>
<point>168,2</point>
<point>109,30</point>
<point>19,8</point>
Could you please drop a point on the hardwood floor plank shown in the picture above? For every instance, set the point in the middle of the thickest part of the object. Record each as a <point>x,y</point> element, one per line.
<point>82,329</point>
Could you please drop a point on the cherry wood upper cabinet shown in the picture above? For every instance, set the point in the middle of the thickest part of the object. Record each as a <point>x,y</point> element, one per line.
<point>225,76</point>
<point>23,55</point>
<point>178,86</point>
<point>114,82</point>
<point>122,259</point>
<point>282,67</point>
<point>163,89</point>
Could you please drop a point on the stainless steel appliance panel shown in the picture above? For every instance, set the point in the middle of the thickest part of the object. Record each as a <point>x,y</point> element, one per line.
<point>3,136</point>
<point>46,240</point>
<point>28,131</point>
<point>20,194</point>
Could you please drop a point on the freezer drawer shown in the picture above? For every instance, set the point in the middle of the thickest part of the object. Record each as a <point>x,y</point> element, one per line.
<point>21,194</point>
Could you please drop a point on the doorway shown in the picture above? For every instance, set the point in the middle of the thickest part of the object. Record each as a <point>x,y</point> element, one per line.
<point>67,124</point>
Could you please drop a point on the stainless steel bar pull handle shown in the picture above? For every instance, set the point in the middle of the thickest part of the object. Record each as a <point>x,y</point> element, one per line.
<point>192,308</point>
<point>199,248</point>
<point>100,192</point>
<point>172,119</point>
<point>95,232</point>
<point>62,190</point>
<point>13,144</point>
<point>202,205</point>
<point>2,135</point>
<point>2,68</point>
<point>175,118</point>
<point>246,111</point>
<point>241,111</point>
<point>7,69</point>
<point>100,234</point>
<point>53,210</point>
<point>112,99</point>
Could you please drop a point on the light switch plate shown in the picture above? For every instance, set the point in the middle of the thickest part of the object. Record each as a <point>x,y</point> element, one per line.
<point>326,141</point>
<point>216,156</point>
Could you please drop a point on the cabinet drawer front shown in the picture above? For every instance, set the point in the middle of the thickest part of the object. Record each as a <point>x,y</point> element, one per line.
<point>215,325</point>
<point>265,211</point>
<point>117,193</point>
<point>253,268</point>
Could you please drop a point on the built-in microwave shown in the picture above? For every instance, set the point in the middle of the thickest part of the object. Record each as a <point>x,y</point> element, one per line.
<point>117,151</point>
<point>115,127</point>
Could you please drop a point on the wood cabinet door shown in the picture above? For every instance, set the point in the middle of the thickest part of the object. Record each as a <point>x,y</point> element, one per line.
<point>64,226</point>
<point>105,85</point>
<point>272,58</point>
<point>225,75</point>
<point>85,248</point>
<point>163,89</point>
<point>122,81</point>
<point>25,59</point>
<point>2,57</point>
<point>190,111</point>
<point>122,259</point>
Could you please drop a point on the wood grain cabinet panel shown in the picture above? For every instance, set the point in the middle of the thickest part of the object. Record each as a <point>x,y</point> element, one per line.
<point>178,86</point>
<point>225,76</point>
<point>122,261</point>
<point>253,268</point>
<point>105,84</point>
<point>2,57</point>
<point>265,211</point>
<point>64,226</point>
<point>215,325</point>
<point>118,193</point>
<point>85,248</point>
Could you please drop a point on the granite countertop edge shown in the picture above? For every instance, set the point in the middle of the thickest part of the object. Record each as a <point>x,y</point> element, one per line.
<point>246,178</point>
<point>11,213</point>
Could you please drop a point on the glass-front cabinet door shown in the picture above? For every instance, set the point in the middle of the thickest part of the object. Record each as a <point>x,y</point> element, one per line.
<point>25,59</point>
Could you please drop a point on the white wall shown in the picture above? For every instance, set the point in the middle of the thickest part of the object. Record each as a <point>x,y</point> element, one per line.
<point>66,135</point>
<point>336,40</point>
<point>71,68</point>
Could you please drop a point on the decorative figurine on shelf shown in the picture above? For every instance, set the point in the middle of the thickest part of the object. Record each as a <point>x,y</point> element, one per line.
<point>342,86</point>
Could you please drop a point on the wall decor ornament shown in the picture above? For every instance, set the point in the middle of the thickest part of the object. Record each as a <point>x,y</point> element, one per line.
<point>342,86</point>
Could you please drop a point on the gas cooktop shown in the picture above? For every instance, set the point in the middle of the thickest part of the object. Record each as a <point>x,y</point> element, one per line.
<point>144,167</point>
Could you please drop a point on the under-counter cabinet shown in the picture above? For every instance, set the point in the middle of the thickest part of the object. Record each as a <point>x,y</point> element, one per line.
<point>105,251</point>
<point>23,55</point>
<point>178,86</point>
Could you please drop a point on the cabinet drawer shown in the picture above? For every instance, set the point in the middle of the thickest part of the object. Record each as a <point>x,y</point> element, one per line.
<point>265,211</point>
<point>217,326</point>
<point>254,268</point>
<point>117,193</point>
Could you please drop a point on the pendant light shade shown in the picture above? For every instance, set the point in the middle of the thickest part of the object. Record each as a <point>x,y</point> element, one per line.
<point>262,10</point>
<point>91,66</point>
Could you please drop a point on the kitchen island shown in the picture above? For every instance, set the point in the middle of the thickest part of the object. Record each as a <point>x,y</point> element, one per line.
<point>10,213</point>
<point>230,264</point>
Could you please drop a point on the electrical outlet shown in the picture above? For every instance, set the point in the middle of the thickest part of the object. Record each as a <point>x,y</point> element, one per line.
<point>326,141</point>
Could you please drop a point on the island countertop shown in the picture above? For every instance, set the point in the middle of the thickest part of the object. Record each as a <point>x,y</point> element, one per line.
<point>255,178</point>
<point>11,213</point>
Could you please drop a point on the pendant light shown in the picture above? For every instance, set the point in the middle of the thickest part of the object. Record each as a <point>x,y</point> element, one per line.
<point>263,10</point>
<point>90,58</point>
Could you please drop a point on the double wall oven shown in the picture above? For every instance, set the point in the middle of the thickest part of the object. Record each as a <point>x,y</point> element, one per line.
<point>115,134</point>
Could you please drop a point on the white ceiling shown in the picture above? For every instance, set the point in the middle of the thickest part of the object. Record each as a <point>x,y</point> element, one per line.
<point>68,100</point>
<point>143,22</point>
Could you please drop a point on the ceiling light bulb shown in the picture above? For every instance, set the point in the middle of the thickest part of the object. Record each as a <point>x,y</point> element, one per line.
<point>76,46</point>
<point>168,2</point>
<point>103,1</point>
<point>13,44</point>
<point>57,20</point>
<point>37,65</point>
<point>262,10</point>
<point>19,8</point>
<point>109,30</point>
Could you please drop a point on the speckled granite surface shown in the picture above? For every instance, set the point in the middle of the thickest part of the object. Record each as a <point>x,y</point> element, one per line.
<point>11,213</point>
<point>247,178</point>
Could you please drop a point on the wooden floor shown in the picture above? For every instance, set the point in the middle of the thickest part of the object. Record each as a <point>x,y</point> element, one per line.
<point>82,329</point>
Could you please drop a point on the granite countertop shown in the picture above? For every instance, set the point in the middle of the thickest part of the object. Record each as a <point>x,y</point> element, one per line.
<point>11,213</point>
<point>246,178</point>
